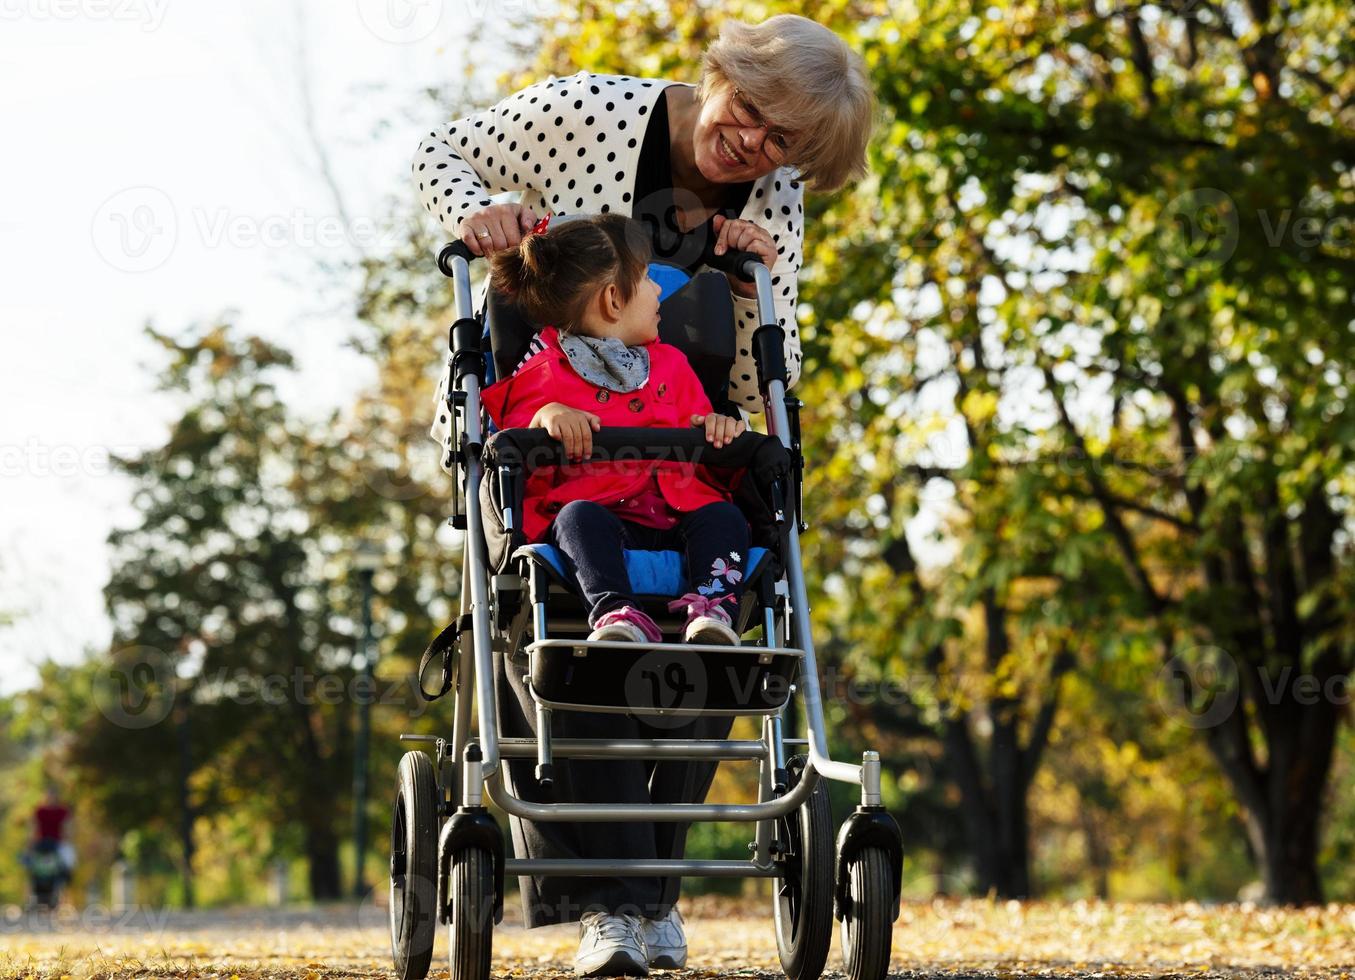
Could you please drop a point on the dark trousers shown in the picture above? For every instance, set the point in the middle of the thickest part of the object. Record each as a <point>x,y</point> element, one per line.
<point>554,899</point>
<point>714,539</point>
<point>548,900</point>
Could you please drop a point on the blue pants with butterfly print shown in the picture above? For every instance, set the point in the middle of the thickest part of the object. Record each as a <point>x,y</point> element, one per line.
<point>714,539</point>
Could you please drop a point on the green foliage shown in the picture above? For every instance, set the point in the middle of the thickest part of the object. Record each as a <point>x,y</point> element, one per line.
<point>1080,348</point>
<point>228,700</point>
<point>1078,364</point>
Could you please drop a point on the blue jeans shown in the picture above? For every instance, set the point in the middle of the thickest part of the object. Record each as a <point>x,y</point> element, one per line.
<point>714,539</point>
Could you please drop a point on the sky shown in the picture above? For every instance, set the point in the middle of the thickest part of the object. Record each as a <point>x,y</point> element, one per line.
<point>155,171</point>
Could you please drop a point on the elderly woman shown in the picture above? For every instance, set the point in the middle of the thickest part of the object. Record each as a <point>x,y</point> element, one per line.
<point>780,106</point>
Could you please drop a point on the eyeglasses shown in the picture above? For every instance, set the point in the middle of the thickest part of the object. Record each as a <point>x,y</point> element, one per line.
<point>776,142</point>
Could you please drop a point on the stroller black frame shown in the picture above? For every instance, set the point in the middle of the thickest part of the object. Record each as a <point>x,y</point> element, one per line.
<point>455,875</point>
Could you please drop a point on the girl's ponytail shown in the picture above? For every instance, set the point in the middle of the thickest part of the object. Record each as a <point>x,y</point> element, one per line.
<point>508,270</point>
<point>552,275</point>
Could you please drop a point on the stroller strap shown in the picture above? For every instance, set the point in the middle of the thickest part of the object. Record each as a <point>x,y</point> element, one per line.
<point>443,646</point>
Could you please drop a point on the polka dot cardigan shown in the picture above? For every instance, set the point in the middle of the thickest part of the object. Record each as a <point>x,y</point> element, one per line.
<point>572,145</point>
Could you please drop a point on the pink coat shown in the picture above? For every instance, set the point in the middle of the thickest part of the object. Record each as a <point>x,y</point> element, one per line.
<point>669,399</point>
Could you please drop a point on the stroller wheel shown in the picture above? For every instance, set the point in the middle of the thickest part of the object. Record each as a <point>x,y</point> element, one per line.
<point>471,896</point>
<point>803,903</point>
<point>413,873</point>
<point>867,922</point>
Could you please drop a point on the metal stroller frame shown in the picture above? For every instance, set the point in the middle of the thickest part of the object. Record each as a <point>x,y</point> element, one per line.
<point>457,876</point>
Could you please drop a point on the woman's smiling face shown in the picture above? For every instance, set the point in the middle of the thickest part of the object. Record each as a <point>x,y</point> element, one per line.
<point>727,152</point>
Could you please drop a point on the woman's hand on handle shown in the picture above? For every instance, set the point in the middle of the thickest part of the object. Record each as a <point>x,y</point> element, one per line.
<point>721,430</point>
<point>571,426</point>
<point>736,235</point>
<point>496,227</point>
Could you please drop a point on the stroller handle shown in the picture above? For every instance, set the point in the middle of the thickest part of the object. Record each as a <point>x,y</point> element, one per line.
<point>454,250</point>
<point>740,264</point>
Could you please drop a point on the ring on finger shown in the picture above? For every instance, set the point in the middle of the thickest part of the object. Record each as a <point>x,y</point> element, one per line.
<point>482,233</point>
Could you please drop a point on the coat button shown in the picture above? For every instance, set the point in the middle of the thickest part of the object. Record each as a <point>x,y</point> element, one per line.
<point>636,405</point>
<point>663,390</point>
<point>603,394</point>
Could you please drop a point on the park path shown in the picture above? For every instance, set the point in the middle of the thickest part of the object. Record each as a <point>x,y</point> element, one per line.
<point>977,939</point>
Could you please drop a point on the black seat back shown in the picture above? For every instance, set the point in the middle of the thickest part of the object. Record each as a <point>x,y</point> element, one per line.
<point>697,319</point>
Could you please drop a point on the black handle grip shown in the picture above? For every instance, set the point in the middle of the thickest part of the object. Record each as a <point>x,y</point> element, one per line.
<point>739,263</point>
<point>451,251</point>
<point>534,448</point>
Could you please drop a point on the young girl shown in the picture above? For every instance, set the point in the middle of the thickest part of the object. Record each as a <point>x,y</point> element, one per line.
<point>603,364</point>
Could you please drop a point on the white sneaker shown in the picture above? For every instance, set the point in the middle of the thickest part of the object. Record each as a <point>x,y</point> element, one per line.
<point>666,941</point>
<point>712,630</point>
<point>706,621</point>
<point>627,625</point>
<point>611,946</point>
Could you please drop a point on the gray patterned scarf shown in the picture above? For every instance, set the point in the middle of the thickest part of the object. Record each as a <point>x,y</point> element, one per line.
<point>606,362</point>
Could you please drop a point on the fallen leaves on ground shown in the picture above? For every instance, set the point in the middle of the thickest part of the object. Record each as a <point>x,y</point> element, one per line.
<point>943,938</point>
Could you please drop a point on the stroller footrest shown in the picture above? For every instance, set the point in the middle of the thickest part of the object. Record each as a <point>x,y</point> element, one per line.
<point>678,679</point>
<point>630,868</point>
<point>637,748</point>
<point>581,648</point>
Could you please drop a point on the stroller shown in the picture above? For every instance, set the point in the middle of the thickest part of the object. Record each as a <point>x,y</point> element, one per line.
<point>447,862</point>
<point>46,873</point>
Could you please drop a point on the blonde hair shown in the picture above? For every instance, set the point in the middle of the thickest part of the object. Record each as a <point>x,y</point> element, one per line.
<point>806,80</point>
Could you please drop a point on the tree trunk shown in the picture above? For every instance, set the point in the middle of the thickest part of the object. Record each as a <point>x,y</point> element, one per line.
<point>994,791</point>
<point>322,842</point>
<point>994,812</point>
<point>1011,829</point>
<point>1006,771</point>
<point>1302,742</point>
<point>322,854</point>
<point>1294,705</point>
<point>1289,863</point>
<point>317,782</point>
<point>1282,801</point>
<point>318,779</point>
<point>183,735</point>
<point>1098,853</point>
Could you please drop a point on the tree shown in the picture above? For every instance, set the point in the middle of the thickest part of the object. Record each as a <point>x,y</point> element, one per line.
<point>994,323</point>
<point>1150,420</point>
<point>1190,388</point>
<point>219,596</point>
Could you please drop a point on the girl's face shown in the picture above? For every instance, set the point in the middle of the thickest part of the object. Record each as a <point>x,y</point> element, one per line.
<point>635,323</point>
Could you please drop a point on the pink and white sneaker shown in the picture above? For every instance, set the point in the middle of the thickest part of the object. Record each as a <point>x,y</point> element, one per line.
<point>627,624</point>
<point>706,621</point>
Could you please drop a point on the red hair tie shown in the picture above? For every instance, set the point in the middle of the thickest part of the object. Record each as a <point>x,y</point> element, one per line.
<point>540,226</point>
